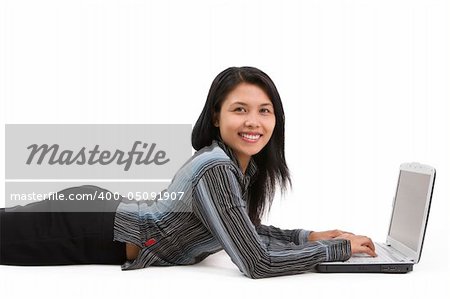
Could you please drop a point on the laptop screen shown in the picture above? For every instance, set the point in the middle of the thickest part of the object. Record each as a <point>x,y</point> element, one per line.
<point>409,208</point>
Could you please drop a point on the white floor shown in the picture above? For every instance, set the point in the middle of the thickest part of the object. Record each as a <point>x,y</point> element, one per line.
<point>215,277</point>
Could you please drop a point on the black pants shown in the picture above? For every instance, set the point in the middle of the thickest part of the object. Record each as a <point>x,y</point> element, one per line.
<point>33,236</point>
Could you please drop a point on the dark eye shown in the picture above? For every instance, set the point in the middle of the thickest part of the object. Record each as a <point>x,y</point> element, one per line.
<point>240,109</point>
<point>264,110</point>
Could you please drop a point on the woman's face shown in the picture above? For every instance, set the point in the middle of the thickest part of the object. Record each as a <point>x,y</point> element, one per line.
<point>246,121</point>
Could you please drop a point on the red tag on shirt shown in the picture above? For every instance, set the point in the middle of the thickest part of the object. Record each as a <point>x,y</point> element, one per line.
<point>150,242</point>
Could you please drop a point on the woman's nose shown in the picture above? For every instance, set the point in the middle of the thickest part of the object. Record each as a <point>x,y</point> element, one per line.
<point>252,121</point>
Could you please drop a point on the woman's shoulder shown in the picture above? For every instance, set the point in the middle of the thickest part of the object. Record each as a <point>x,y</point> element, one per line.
<point>201,163</point>
<point>210,156</point>
<point>204,159</point>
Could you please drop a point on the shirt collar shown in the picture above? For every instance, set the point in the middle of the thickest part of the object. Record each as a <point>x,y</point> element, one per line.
<point>252,168</point>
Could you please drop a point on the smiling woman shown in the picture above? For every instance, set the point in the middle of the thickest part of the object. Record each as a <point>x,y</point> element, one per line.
<point>227,184</point>
<point>246,121</point>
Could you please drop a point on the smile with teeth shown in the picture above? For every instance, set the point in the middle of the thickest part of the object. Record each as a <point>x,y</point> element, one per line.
<point>250,137</point>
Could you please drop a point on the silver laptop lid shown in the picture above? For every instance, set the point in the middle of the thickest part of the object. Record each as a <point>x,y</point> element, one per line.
<point>410,209</point>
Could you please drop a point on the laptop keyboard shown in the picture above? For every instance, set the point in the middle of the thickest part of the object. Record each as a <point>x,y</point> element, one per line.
<point>384,255</point>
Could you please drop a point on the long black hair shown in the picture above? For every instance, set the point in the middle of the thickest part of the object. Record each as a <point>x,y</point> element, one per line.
<point>271,162</point>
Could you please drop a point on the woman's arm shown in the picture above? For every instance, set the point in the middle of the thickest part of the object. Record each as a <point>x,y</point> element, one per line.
<point>218,204</point>
<point>275,234</point>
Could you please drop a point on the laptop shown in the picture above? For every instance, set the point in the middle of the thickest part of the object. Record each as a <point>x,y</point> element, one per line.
<point>404,242</point>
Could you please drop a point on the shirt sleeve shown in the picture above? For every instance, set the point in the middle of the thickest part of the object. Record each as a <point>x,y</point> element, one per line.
<point>219,205</point>
<point>274,234</point>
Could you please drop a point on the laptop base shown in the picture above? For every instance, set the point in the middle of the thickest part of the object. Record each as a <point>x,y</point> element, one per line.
<point>366,268</point>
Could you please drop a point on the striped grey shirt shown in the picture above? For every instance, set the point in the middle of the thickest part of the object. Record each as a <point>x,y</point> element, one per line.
<point>212,215</point>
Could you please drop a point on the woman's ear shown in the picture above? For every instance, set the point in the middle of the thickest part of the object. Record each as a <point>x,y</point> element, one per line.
<point>215,120</point>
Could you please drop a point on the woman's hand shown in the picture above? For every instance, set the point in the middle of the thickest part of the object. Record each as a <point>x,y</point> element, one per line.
<point>326,235</point>
<point>359,244</point>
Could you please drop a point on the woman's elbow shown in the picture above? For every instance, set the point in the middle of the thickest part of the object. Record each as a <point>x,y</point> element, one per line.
<point>255,272</point>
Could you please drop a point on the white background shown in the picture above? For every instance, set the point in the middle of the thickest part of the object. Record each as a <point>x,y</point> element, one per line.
<point>365,87</point>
